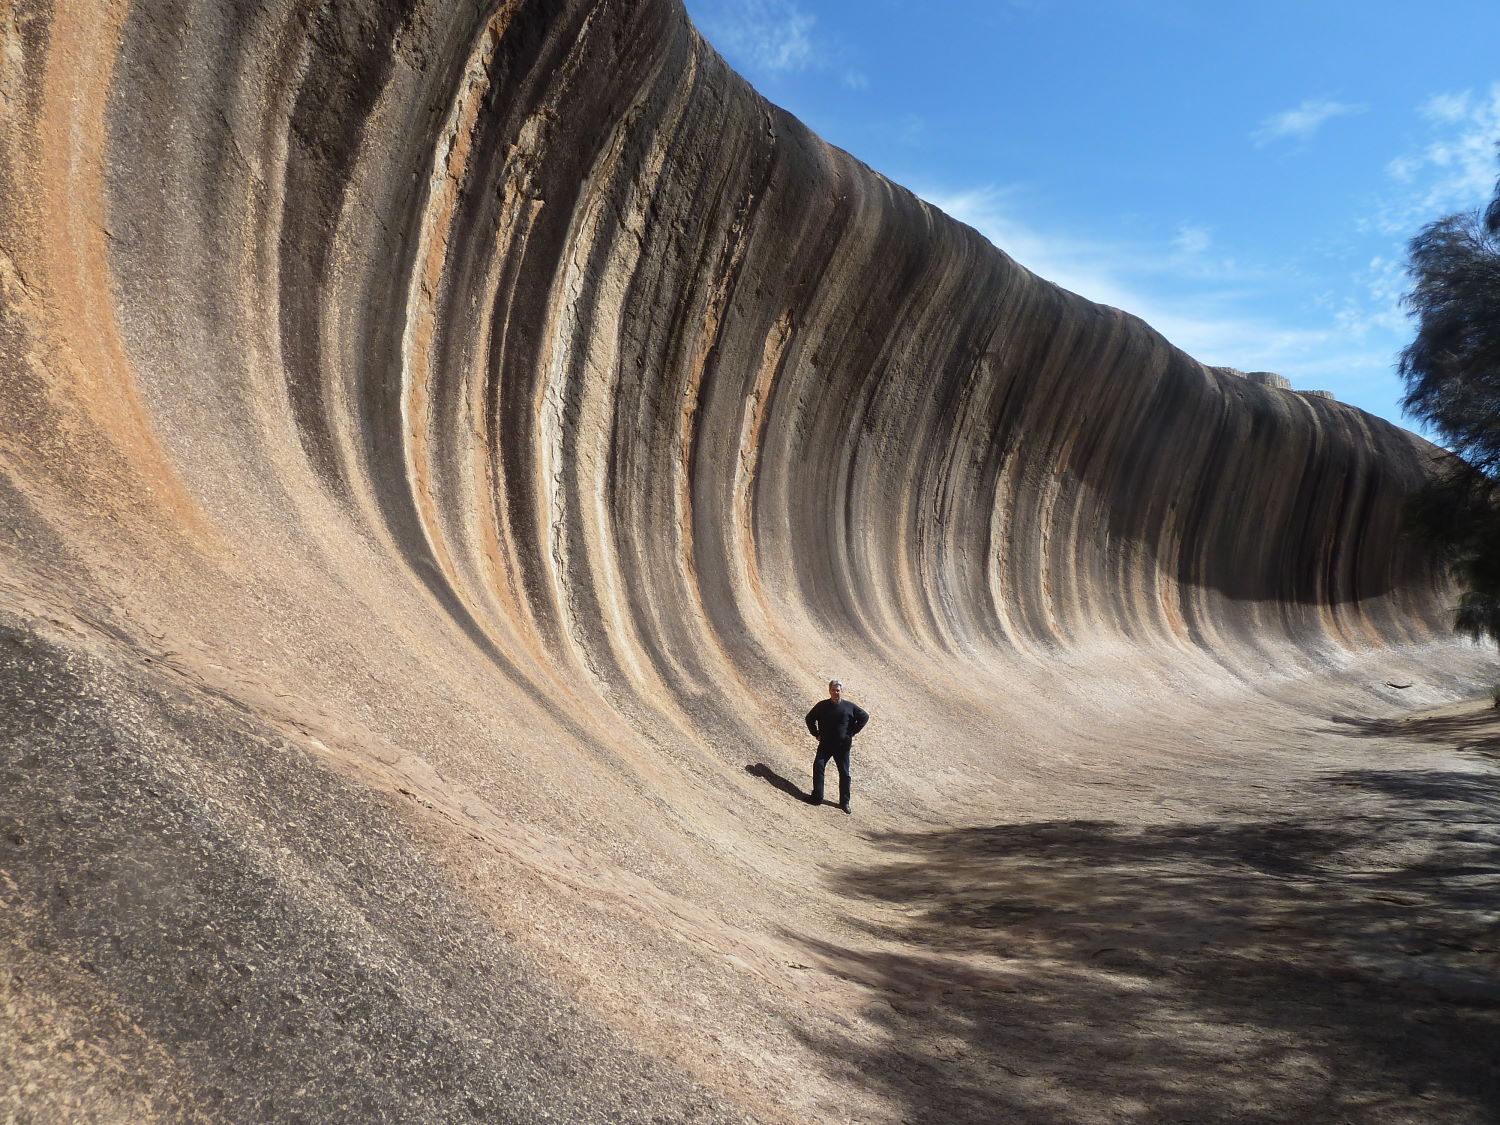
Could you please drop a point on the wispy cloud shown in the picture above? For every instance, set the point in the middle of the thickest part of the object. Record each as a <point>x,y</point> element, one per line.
<point>1454,171</point>
<point>1373,307</point>
<point>1299,124</point>
<point>1163,284</point>
<point>1446,107</point>
<point>1192,239</point>
<point>764,35</point>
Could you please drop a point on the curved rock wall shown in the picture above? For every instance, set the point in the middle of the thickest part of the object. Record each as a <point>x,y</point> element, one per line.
<point>505,412</point>
<point>627,368</point>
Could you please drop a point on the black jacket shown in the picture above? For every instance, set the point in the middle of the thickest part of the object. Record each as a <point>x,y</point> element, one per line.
<point>835,722</point>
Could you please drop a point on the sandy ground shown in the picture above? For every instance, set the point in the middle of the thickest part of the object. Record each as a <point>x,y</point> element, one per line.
<point>1312,934</point>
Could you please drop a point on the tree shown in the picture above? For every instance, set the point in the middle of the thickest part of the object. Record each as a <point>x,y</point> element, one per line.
<point>1452,375</point>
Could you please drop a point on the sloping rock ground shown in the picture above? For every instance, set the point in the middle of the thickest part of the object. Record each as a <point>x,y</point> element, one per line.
<point>446,448</point>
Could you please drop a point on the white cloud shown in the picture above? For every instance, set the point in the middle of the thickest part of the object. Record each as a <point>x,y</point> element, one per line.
<point>1209,323</point>
<point>1221,312</point>
<point>1375,308</point>
<point>1301,123</point>
<point>1446,107</point>
<point>1192,240</point>
<point>1454,171</point>
<point>764,35</point>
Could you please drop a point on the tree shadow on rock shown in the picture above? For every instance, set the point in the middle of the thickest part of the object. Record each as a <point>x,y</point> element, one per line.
<point>1072,971</point>
<point>1450,795</point>
<point>1474,730</point>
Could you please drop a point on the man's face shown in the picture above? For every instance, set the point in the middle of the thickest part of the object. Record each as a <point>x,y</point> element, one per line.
<point>835,691</point>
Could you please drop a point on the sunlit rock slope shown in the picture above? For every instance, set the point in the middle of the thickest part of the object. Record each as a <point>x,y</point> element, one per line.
<point>446,443</point>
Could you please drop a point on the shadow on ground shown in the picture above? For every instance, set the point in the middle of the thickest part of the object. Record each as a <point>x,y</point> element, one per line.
<point>776,781</point>
<point>1251,971</point>
<point>1474,731</point>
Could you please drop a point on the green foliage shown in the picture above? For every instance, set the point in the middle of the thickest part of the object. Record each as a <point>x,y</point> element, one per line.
<point>1458,515</point>
<point>1452,374</point>
<point>1452,368</point>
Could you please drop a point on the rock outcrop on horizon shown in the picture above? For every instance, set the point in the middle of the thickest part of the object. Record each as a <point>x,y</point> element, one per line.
<point>446,443</point>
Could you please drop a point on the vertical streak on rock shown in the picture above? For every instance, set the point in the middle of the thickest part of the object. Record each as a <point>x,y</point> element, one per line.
<point>573,356</point>
<point>67,372</point>
<point>519,207</point>
<point>606,247</point>
<point>423,305</point>
<point>747,463</point>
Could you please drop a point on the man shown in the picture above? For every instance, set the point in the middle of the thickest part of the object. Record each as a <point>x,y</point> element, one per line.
<point>834,722</point>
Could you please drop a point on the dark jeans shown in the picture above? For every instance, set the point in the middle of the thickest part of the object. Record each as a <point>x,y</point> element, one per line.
<point>839,752</point>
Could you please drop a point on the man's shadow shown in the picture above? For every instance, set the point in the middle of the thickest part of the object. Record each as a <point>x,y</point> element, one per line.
<point>774,779</point>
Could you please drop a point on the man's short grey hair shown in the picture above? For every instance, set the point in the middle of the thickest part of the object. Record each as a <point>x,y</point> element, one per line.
<point>835,683</point>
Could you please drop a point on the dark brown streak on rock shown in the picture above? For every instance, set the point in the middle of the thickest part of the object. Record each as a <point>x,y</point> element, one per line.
<point>349,55</point>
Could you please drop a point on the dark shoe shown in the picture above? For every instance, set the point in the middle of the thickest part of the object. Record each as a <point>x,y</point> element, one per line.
<point>847,809</point>
<point>813,800</point>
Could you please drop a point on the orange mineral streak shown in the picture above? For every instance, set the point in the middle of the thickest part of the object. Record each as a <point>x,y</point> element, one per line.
<point>752,436</point>
<point>427,291</point>
<point>74,402</point>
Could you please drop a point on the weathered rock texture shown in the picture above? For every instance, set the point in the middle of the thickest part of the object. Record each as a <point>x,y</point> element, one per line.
<point>446,442</point>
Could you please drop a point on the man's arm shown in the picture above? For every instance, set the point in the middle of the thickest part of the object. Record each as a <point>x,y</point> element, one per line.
<point>861,717</point>
<point>812,719</point>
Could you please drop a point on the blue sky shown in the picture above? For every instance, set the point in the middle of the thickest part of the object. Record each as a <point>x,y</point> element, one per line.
<point>1245,177</point>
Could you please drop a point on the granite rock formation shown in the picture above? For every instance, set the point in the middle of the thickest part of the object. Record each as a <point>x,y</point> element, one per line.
<point>446,442</point>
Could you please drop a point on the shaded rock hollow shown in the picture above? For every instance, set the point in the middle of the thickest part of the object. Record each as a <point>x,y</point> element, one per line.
<point>446,443</point>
